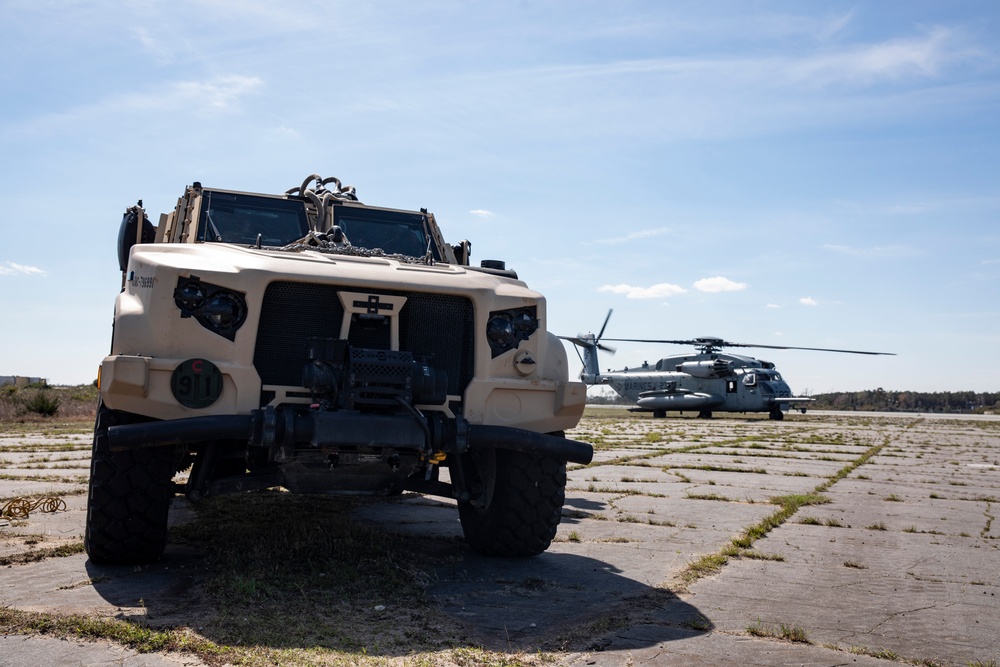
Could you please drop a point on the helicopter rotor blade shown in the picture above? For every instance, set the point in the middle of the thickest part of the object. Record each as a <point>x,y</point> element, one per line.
<point>576,340</point>
<point>814,349</point>
<point>722,343</point>
<point>605,325</point>
<point>646,340</point>
<point>587,342</point>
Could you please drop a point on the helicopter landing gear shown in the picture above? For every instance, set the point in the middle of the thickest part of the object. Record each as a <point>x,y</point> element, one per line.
<point>705,414</point>
<point>659,414</point>
<point>777,415</point>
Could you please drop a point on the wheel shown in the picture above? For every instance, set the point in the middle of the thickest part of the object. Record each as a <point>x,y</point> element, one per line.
<point>517,502</point>
<point>777,415</point>
<point>130,494</point>
<point>705,414</point>
<point>659,414</point>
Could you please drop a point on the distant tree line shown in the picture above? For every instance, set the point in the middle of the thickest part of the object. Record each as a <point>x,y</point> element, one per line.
<point>909,401</point>
<point>880,400</point>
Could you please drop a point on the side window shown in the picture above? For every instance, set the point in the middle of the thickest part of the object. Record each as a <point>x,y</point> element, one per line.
<point>750,380</point>
<point>731,387</point>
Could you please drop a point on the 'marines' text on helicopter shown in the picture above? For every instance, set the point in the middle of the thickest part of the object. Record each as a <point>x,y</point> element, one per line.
<point>706,381</point>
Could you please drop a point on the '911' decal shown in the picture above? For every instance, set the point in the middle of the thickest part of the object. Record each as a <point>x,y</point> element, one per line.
<point>197,383</point>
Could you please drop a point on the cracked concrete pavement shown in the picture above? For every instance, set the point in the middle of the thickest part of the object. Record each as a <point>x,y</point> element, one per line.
<point>899,560</point>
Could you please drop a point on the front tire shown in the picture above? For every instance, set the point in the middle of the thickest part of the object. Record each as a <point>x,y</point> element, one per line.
<point>517,502</point>
<point>130,494</point>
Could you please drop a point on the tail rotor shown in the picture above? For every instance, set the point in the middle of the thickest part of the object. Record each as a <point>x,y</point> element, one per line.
<point>591,344</point>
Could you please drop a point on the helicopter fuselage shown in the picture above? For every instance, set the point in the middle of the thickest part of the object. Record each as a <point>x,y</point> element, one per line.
<point>703,383</point>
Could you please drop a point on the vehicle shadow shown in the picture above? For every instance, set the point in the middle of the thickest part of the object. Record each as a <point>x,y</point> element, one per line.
<point>556,601</point>
<point>559,601</point>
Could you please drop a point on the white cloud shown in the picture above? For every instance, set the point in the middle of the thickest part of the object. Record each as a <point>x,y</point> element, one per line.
<point>808,301</point>
<point>719,284</point>
<point>772,305</point>
<point>658,291</point>
<point>482,213</point>
<point>10,268</point>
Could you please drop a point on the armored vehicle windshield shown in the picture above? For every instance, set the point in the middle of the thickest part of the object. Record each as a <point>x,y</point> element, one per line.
<point>229,217</point>
<point>238,218</point>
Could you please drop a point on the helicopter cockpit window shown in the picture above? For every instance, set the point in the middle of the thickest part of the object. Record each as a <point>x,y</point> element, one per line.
<point>750,380</point>
<point>237,218</point>
<point>395,232</point>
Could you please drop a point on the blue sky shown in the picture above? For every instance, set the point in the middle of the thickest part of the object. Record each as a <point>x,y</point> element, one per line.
<point>820,174</point>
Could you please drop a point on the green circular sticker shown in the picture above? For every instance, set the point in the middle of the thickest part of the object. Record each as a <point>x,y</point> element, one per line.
<point>197,383</point>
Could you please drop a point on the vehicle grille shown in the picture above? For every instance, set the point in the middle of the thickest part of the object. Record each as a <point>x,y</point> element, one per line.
<point>437,329</point>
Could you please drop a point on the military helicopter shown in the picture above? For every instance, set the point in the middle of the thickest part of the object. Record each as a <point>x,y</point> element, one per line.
<point>705,381</point>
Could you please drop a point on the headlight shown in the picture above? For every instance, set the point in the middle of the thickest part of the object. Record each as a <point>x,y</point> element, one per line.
<point>216,308</point>
<point>189,297</point>
<point>505,329</point>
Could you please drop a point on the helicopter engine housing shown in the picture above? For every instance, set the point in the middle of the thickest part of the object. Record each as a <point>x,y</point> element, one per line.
<point>707,368</point>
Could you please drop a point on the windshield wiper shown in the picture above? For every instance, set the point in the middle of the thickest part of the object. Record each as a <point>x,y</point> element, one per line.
<point>211,226</point>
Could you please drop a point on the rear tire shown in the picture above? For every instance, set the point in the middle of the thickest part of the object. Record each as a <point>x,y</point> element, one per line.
<point>520,502</point>
<point>130,494</point>
<point>776,415</point>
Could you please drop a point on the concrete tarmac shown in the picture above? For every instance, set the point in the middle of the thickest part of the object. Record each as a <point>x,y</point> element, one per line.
<point>896,559</point>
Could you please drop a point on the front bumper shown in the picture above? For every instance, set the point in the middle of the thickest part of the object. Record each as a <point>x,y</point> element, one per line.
<point>282,431</point>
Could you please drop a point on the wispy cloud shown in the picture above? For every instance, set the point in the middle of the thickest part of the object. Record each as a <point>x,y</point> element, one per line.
<point>875,252</point>
<point>686,98</point>
<point>893,60</point>
<point>12,268</point>
<point>217,95</point>
<point>836,25</point>
<point>772,305</point>
<point>917,57</point>
<point>633,236</point>
<point>222,92</point>
<point>808,301</point>
<point>719,284</point>
<point>659,291</point>
<point>482,213</point>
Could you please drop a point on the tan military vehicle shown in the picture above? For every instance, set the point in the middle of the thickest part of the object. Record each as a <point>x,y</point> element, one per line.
<point>308,341</point>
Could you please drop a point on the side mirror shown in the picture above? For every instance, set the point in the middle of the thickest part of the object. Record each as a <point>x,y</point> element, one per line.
<point>135,228</point>
<point>463,251</point>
